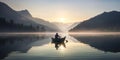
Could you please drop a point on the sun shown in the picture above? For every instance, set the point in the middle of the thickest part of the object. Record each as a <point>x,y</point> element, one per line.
<point>62,20</point>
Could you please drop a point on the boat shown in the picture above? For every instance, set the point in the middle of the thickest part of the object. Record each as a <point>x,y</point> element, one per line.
<point>59,40</point>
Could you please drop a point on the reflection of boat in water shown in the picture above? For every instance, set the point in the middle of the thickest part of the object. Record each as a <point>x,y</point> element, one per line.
<point>59,41</point>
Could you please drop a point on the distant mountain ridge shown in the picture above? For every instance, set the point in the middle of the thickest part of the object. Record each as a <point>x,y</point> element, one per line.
<point>107,21</point>
<point>23,17</point>
<point>25,13</point>
<point>39,21</point>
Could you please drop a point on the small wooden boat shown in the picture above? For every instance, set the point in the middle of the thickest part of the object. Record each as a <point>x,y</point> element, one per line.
<point>59,40</point>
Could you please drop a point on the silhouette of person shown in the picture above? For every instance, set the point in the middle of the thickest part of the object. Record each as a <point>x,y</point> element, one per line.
<point>57,36</point>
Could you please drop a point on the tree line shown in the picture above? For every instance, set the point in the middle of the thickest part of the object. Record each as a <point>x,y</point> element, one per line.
<point>10,25</point>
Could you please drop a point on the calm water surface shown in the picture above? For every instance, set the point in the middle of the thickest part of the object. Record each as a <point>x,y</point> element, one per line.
<point>79,47</point>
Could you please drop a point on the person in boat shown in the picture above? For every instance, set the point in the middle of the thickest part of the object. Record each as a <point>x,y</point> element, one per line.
<point>58,41</point>
<point>57,37</point>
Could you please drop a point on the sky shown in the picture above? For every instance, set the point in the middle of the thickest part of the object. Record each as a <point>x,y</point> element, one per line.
<point>65,11</point>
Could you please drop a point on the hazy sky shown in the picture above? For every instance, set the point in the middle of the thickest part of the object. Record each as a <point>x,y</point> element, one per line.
<point>64,10</point>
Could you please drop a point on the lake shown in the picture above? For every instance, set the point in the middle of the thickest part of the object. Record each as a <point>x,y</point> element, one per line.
<point>79,47</point>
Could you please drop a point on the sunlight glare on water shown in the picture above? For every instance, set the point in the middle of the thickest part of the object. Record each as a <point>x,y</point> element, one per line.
<point>50,51</point>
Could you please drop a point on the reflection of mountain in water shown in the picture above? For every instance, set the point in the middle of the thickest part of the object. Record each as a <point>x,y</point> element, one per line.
<point>104,43</point>
<point>9,44</point>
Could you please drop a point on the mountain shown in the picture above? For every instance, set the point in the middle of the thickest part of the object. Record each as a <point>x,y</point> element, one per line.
<point>107,21</point>
<point>49,25</point>
<point>7,12</point>
<point>73,25</point>
<point>22,17</point>
<point>25,13</point>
